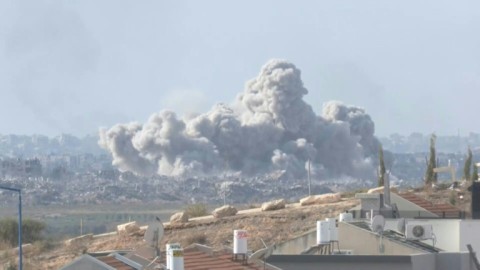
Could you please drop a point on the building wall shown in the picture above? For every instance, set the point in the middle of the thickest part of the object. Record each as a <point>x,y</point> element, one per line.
<point>424,262</point>
<point>453,235</point>
<point>406,208</point>
<point>446,232</point>
<point>470,234</point>
<point>297,245</point>
<point>460,261</point>
<point>364,242</point>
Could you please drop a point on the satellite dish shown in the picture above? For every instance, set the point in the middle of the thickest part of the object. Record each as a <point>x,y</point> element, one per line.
<point>269,252</point>
<point>261,254</point>
<point>154,233</point>
<point>378,223</point>
<point>257,255</point>
<point>401,225</point>
<point>270,249</point>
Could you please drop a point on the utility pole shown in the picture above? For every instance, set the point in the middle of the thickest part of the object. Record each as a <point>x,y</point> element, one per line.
<point>309,180</point>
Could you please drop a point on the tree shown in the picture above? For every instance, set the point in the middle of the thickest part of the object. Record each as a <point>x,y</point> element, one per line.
<point>468,164</point>
<point>381,173</point>
<point>430,175</point>
<point>32,231</point>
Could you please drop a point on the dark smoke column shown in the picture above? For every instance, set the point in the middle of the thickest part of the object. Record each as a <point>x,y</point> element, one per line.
<point>269,127</point>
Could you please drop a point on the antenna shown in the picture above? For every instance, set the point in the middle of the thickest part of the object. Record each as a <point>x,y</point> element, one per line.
<point>154,234</point>
<point>309,180</point>
<point>378,224</point>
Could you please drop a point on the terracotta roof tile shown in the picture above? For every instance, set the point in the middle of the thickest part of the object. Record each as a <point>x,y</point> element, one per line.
<point>446,210</point>
<point>196,259</point>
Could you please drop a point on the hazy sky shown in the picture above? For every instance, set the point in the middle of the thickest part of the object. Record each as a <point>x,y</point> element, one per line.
<point>72,66</point>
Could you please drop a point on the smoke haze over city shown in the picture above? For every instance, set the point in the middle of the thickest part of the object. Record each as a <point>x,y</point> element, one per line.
<point>67,68</point>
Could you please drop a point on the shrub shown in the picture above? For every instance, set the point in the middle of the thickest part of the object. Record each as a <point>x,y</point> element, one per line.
<point>11,266</point>
<point>195,238</point>
<point>196,210</point>
<point>32,231</point>
<point>45,245</point>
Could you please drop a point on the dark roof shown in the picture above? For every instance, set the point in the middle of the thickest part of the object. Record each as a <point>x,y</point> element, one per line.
<point>315,262</point>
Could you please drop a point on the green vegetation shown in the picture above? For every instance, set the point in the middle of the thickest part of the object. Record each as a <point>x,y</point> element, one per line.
<point>430,175</point>
<point>32,231</point>
<point>468,164</point>
<point>196,210</point>
<point>381,173</point>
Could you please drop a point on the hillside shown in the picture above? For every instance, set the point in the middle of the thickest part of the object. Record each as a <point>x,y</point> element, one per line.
<point>272,227</point>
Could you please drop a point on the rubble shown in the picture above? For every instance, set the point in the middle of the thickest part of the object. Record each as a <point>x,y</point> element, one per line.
<point>128,228</point>
<point>273,205</point>
<point>180,217</point>
<point>224,211</point>
<point>79,240</point>
<point>321,199</point>
<point>380,190</point>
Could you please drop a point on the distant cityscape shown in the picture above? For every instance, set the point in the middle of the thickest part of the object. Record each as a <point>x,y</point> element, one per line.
<point>71,170</point>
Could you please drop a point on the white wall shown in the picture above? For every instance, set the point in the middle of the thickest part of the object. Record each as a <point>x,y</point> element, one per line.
<point>453,235</point>
<point>470,234</point>
<point>447,232</point>
<point>364,242</point>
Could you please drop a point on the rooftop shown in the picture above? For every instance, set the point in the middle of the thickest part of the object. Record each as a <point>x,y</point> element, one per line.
<point>399,238</point>
<point>441,209</point>
<point>198,257</point>
<point>115,263</point>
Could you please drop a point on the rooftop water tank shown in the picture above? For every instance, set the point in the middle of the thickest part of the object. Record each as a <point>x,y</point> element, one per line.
<point>323,232</point>
<point>176,259</point>
<point>240,242</point>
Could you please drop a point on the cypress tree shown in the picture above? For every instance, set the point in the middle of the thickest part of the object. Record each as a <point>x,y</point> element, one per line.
<point>381,173</point>
<point>430,175</point>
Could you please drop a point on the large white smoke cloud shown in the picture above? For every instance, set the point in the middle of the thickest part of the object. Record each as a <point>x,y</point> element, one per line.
<point>269,127</point>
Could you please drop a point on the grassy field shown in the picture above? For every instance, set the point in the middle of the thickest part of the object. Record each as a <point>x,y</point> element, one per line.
<point>68,221</point>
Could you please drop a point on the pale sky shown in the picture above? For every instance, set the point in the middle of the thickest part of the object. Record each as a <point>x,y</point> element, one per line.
<point>73,66</point>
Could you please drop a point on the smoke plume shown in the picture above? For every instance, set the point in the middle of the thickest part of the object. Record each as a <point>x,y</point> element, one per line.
<point>268,127</point>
